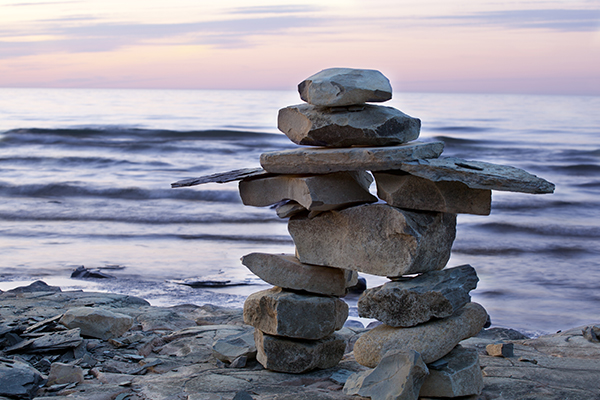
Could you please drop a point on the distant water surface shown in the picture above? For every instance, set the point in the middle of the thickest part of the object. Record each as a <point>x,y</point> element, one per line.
<point>85,180</point>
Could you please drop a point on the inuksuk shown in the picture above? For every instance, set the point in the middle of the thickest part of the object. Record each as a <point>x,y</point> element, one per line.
<point>339,228</point>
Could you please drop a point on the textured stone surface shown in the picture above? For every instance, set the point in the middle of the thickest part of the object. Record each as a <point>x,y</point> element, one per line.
<point>459,375</point>
<point>233,346</point>
<point>288,272</point>
<point>279,312</point>
<point>398,376</point>
<point>376,239</point>
<point>411,301</point>
<point>366,125</point>
<point>319,193</point>
<point>478,175</point>
<point>325,160</point>
<point>222,177</point>
<point>345,86</point>
<point>64,373</point>
<point>412,192</point>
<point>19,379</point>
<point>96,322</point>
<point>289,208</point>
<point>297,356</point>
<point>432,340</point>
<point>500,349</point>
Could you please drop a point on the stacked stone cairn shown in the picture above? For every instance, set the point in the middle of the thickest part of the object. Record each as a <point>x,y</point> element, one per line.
<point>339,228</point>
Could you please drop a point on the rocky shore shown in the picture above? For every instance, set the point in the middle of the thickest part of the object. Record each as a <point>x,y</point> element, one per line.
<point>85,345</point>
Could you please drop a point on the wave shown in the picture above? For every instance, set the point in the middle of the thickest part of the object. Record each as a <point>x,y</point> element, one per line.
<point>91,162</point>
<point>542,230</point>
<point>460,128</point>
<point>570,251</point>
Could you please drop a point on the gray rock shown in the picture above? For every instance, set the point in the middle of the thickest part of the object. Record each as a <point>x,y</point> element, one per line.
<point>37,286</point>
<point>432,340</point>
<point>326,160</point>
<point>64,373</point>
<point>289,208</point>
<point>460,376</point>
<point>298,356</point>
<point>412,192</point>
<point>375,239</point>
<point>366,125</point>
<point>48,342</point>
<point>411,301</point>
<point>279,312</point>
<point>19,379</point>
<point>320,193</point>
<point>96,322</point>
<point>223,177</point>
<point>398,376</point>
<point>345,86</point>
<point>235,346</point>
<point>592,333</point>
<point>288,272</point>
<point>478,175</point>
<point>500,349</point>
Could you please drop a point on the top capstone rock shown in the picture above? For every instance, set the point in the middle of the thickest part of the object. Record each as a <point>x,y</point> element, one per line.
<point>334,87</point>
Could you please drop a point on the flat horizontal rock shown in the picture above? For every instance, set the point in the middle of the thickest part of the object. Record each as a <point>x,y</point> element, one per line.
<point>318,193</point>
<point>303,316</point>
<point>412,301</point>
<point>459,375</point>
<point>97,322</point>
<point>478,175</point>
<point>345,86</point>
<point>412,192</point>
<point>366,125</point>
<point>288,272</point>
<point>222,177</point>
<point>433,340</point>
<point>298,356</point>
<point>375,239</point>
<point>325,160</point>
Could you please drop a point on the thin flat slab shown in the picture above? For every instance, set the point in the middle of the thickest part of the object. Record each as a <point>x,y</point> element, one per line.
<point>222,177</point>
<point>478,175</point>
<point>322,160</point>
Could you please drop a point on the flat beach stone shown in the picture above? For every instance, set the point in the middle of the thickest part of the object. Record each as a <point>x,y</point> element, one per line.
<point>222,177</point>
<point>412,192</point>
<point>289,208</point>
<point>64,373</point>
<point>297,356</point>
<point>97,322</point>
<point>460,375</point>
<point>303,316</point>
<point>433,339</point>
<point>319,193</point>
<point>412,301</point>
<point>324,160</point>
<point>234,346</point>
<point>366,125</point>
<point>375,239</point>
<point>19,379</point>
<point>286,271</point>
<point>478,175</point>
<point>399,376</point>
<point>345,86</point>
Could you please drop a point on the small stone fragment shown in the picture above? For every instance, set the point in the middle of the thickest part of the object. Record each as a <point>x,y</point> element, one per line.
<point>412,192</point>
<point>591,333</point>
<point>283,313</point>
<point>305,124</point>
<point>461,376</point>
<point>235,346</point>
<point>288,208</point>
<point>64,373</point>
<point>345,86</point>
<point>288,272</point>
<point>327,160</point>
<point>433,339</point>
<point>410,301</point>
<point>97,323</point>
<point>398,376</point>
<point>500,349</point>
<point>297,356</point>
<point>319,193</point>
<point>375,239</point>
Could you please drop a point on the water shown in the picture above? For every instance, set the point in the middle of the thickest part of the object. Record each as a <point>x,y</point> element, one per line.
<point>85,180</point>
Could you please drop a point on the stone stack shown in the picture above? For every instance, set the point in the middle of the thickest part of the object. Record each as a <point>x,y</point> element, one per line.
<point>406,236</point>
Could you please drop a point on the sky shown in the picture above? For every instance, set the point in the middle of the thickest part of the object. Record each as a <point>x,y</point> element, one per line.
<point>483,46</point>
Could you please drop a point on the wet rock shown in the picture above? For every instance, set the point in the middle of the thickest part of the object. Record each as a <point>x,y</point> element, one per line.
<point>37,286</point>
<point>414,193</point>
<point>64,373</point>
<point>235,346</point>
<point>369,125</point>
<point>279,312</point>
<point>320,193</point>
<point>432,340</point>
<point>459,376</point>
<point>84,273</point>
<point>500,349</point>
<point>375,239</point>
<point>327,160</point>
<point>410,301</point>
<point>399,376</point>
<point>297,356</point>
<point>345,86</point>
<point>96,322</point>
<point>288,272</point>
<point>19,380</point>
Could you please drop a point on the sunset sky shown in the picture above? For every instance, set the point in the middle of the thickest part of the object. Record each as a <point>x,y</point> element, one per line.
<point>489,46</point>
